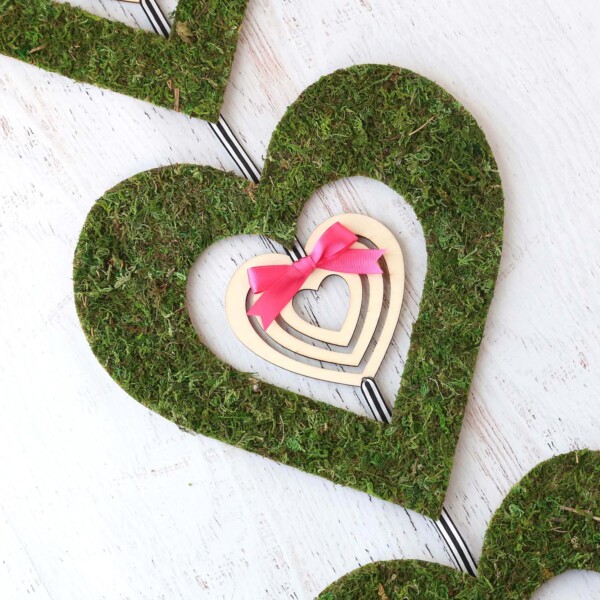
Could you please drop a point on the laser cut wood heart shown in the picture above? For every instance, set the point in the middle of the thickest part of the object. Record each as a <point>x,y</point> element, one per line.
<point>364,227</point>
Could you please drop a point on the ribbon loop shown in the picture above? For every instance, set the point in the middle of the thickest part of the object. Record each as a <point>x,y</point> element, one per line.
<point>278,284</point>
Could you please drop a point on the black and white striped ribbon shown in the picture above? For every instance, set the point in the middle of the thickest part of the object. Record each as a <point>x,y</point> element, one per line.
<point>375,401</point>
<point>235,150</point>
<point>157,19</point>
<point>221,129</point>
<point>456,543</point>
<point>448,530</point>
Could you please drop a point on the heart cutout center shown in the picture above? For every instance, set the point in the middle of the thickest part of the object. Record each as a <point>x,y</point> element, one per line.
<point>325,307</point>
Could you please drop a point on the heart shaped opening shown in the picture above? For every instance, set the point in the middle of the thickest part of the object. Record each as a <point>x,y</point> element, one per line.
<point>325,307</point>
<point>209,278</point>
<point>580,583</point>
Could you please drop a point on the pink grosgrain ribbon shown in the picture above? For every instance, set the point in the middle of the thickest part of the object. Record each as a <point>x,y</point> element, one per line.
<point>278,284</point>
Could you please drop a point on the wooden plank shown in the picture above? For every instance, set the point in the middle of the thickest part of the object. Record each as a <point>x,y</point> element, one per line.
<point>96,497</point>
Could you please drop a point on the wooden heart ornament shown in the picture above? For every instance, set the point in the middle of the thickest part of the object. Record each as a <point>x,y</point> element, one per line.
<point>247,332</point>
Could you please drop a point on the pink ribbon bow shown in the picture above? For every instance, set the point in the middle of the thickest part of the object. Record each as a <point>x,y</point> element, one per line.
<point>280,283</point>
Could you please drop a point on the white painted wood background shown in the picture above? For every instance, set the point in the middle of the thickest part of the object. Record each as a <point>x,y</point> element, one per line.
<point>101,498</point>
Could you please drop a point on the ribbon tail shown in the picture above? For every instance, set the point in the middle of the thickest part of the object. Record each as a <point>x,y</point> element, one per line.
<point>274,299</point>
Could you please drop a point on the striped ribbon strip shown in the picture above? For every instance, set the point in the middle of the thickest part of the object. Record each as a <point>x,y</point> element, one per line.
<point>448,531</point>
<point>456,543</point>
<point>457,546</point>
<point>375,401</point>
<point>221,129</point>
<point>156,17</point>
<point>235,150</point>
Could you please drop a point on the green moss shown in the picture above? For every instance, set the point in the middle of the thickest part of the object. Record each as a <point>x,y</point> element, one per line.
<point>196,60</point>
<point>544,527</point>
<point>142,237</point>
<point>402,580</point>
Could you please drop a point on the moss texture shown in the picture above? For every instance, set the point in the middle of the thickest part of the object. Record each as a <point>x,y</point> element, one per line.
<point>196,60</point>
<point>142,237</point>
<point>544,527</point>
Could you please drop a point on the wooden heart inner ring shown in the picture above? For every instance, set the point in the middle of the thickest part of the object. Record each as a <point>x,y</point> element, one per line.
<point>239,290</point>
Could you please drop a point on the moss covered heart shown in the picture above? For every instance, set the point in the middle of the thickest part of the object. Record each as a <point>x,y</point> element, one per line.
<point>142,237</point>
<point>548,524</point>
<point>195,60</point>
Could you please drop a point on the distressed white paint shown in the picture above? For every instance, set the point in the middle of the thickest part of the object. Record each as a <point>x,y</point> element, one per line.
<point>96,498</point>
<point>572,584</point>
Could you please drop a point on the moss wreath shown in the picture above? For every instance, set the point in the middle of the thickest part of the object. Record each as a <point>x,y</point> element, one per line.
<point>196,59</point>
<point>142,237</point>
<point>548,524</point>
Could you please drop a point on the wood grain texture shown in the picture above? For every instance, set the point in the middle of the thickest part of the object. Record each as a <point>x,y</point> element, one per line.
<point>238,290</point>
<point>101,498</point>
